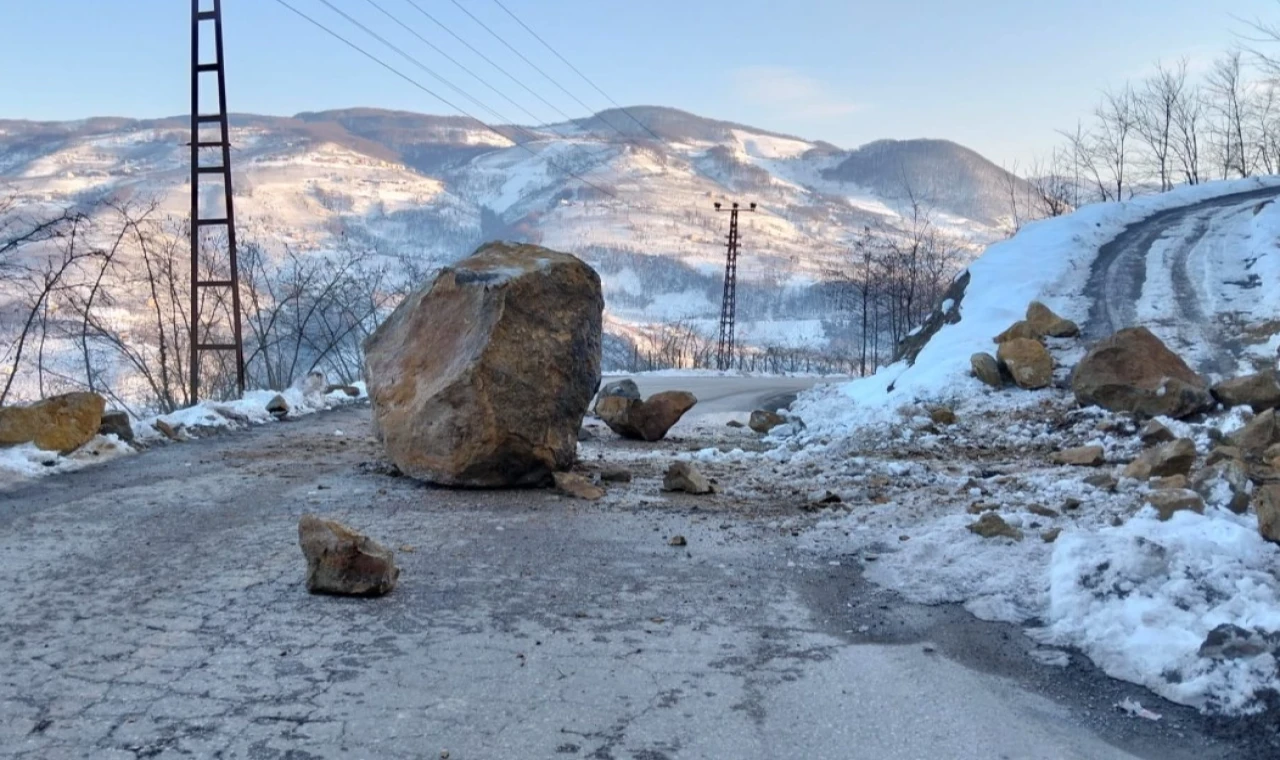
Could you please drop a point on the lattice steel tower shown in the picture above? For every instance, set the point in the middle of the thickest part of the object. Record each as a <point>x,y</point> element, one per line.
<point>729,304</point>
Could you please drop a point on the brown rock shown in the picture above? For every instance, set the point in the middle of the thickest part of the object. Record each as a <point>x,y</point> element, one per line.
<point>1261,391</point>
<point>1224,484</point>
<point>572,484</point>
<point>1020,330</point>
<point>1173,458</point>
<point>987,369</point>
<point>1257,435</point>
<point>626,388</point>
<point>482,378</point>
<point>1042,511</point>
<point>1168,482</point>
<point>1051,535</point>
<point>343,561</point>
<point>647,420</point>
<point>117,423</point>
<point>991,525</point>
<point>1044,321</point>
<point>1266,503</point>
<point>684,476</point>
<point>612,474</point>
<point>1175,500</point>
<point>1028,362</point>
<point>762,420</point>
<point>59,423</point>
<point>1133,371</point>
<point>1223,453</point>
<point>1104,480</point>
<point>278,407</point>
<point>1081,456</point>
<point>167,430</point>
<point>1155,432</point>
<point>677,540</point>
<point>942,415</point>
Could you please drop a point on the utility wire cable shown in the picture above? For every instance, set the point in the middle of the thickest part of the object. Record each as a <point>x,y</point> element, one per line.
<point>575,69</point>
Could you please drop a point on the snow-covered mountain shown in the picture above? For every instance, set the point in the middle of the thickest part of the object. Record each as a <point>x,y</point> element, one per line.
<point>631,195</point>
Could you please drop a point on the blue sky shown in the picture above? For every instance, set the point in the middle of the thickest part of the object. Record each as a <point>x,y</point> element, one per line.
<point>997,75</point>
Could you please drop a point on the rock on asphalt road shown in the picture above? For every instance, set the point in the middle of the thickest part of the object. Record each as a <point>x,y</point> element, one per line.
<point>155,607</point>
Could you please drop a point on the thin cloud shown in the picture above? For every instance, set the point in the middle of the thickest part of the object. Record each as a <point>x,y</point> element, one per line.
<point>786,88</point>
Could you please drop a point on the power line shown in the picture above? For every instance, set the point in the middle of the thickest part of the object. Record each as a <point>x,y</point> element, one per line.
<point>441,98</point>
<point>586,79</point>
<point>536,68</point>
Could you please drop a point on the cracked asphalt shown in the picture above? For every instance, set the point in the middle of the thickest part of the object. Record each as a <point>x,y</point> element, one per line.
<point>154,607</point>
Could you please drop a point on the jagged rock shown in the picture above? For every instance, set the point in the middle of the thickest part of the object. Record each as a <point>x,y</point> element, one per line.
<point>942,415</point>
<point>1028,362</point>
<point>1104,480</point>
<point>1081,456</point>
<point>343,561</point>
<point>1155,432</point>
<point>1224,483</point>
<point>1173,458</point>
<point>684,476</point>
<point>1266,504</point>
<point>612,474</point>
<point>348,390</point>
<point>117,423</point>
<point>278,407</point>
<point>677,540</point>
<point>482,379</point>
<point>167,430</point>
<point>624,388</point>
<point>992,525</point>
<point>1175,500</point>
<point>647,420</point>
<point>1260,391</point>
<point>1257,435</point>
<point>763,420</point>
<point>1231,642</point>
<point>1044,321</point>
<point>1223,453</point>
<point>1133,371</point>
<point>59,423</point>
<point>572,484</point>
<point>1020,330</point>
<point>1168,482</point>
<point>987,369</point>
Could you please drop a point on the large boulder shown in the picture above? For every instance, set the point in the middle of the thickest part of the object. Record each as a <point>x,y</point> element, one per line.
<point>343,561</point>
<point>1133,371</point>
<point>1261,391</point>
<point>1042,319</point>
<point>59,423</point>
<point>1018,330</point>
<point>482,379</point>
<point>647,420</point>
<point>625,388</point>
<point>987,369</point>
<point>1028,362</point>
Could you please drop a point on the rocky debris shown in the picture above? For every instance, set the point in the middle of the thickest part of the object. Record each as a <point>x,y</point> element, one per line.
<point>482,378</point>
<point>1171,481</point>
<point>1027,361</point>
<point>117,423</point>
<point>278,407</point>
<point>343,561</point>
<point>1224,483</point>
<point>1042,511</point>
<point>992,525</point>
<point>1175,500</point>
<point>677,540</point>
<point>942,415</point>
<point>1231,642</point>
<point>1223,453</point>
<point>684,476</point>
<point>1081,456</point>
<point>59,423</point>
<point>572,484</point>
<point>1103,480</point>
<point>1042,319</point>
<point>1173,458</point>
<point>614,474</point>
<point>1020,330</point>
<point>1260,391</point>
<point>167,430</point>
<point>1266,503</point>
<point>763,420</point>
<point>1155,432</point>
<point>987,369</point>
<point>624,388</point>
<point>1051,535</point>
<point>1257,435</point>
<point>647,420</point>
<point>1133,371</point>
<point>348,390</point>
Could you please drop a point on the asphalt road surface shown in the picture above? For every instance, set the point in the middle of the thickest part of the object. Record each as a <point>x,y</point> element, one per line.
<point>154,608</point>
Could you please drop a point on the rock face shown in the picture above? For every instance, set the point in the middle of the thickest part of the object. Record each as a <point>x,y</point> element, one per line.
<point>1082,456</point>
<point>1133,371</point>
<point>1260,391</point>
<point>647,420</point>
<point>1028,362</point>
<point>762,420</point>
<point>59,423</point>
<point>987,369</point>
<point>482,379</point>
<point>117,423</point>
<point>343,561</point>
<point>1044,321</point>
<point>1266,502</point>
<point>1174,458</point>
<point>684,476</point>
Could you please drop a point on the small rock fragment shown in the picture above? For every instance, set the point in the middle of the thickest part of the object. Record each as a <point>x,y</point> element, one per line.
<point>1102,480</point>
<point>942,415</point>
<point>572,484</point>
<point>735,424</point>
<point>684,476</point>
<point>167,430</point>
<point>614,474</point>
<point>762,420</point>
<point>1175,458</point>
<point>1051,535</point>
<point>277,407</point>
<point>677,540</point>
<point>1042,511</point>
<point>1081,456</point>
<point>1155,432</point>
<point>991,525</point>
<point>343,561</point>
<point>1175,500</point>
